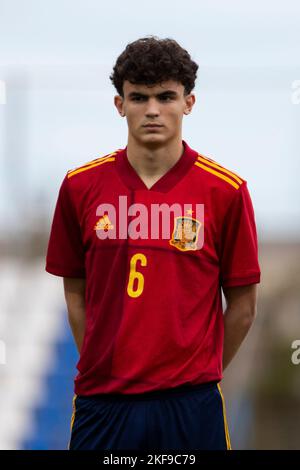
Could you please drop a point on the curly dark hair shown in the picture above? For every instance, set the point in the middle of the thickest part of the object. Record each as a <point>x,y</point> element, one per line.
<point>150,60</point>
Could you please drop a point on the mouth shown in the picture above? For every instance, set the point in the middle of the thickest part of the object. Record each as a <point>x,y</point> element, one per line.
<point>152,126</point>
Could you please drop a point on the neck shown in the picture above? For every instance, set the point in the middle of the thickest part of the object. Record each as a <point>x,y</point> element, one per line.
<point>153,161</point>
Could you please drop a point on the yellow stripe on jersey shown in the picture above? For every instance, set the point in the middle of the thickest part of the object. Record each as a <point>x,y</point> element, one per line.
<point>219,167</point>
<point>227,437</point>
<point>101,158</point>
<point>94,161</point>
<point>101,161</point>
<point>220,175</point>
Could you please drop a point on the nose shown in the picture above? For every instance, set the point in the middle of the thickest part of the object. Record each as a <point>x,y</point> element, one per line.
<point>152,108</point>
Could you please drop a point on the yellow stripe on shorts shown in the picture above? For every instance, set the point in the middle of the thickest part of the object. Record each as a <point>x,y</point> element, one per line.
<point>73,417</point>
<point>228,443</point>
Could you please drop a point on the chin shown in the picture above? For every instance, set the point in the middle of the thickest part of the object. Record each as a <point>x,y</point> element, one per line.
<point>154,143</point>
<point>153,138</point>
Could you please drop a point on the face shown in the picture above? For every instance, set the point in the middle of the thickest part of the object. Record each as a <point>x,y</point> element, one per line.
<point>161,105</point>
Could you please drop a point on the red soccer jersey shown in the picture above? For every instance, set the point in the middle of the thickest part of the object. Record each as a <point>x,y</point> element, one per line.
<point>154,262</point>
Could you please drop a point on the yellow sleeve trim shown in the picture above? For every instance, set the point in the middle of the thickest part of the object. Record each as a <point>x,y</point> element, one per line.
<point>220,167</point>
<point>219,175</point>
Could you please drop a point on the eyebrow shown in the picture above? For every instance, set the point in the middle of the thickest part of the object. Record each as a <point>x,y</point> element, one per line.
<point>167,92</point>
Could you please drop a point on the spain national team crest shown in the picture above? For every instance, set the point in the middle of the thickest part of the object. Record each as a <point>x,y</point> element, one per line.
<point>185,234</point>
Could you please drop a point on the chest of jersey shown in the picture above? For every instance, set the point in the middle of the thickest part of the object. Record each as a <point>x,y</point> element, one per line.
<point>181,221</point>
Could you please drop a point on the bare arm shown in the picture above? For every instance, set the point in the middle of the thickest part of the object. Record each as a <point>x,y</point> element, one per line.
<point>74,289</point>
<point>238,318</point>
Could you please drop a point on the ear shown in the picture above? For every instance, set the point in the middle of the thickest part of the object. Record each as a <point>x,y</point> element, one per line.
<point>119,104</point>
<point>189,103</point>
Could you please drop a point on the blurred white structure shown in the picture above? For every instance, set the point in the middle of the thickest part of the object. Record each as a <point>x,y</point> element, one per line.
<point>31,316</point>
<point>2,92</point>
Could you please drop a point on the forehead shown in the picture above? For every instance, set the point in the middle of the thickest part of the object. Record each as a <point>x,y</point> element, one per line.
<point>170,85</point>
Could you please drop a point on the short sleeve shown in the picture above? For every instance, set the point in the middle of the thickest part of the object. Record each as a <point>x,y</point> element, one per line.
<point>65,254</point>
<point>239,251</point>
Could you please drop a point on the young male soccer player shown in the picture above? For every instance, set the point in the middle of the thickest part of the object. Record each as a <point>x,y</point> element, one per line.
<point>146,238</point>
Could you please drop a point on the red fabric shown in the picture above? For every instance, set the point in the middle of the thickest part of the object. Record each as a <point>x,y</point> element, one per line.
<point>172,333</point>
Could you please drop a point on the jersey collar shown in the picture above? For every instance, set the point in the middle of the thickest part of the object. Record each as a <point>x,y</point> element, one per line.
<point>133,181</point>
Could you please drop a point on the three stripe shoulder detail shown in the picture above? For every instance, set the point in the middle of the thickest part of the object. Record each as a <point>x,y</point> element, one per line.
<point>218,170</point>
<point>92,164</point>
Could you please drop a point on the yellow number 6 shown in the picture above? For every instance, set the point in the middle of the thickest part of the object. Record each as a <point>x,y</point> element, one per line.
<point>136,275</point>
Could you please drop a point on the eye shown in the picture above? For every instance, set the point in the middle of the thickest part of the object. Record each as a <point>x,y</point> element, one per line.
<point>166,98</point>
<point>137,98</point>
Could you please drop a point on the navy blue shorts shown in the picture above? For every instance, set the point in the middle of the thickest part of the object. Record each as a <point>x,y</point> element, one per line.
<point>189,417</point>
